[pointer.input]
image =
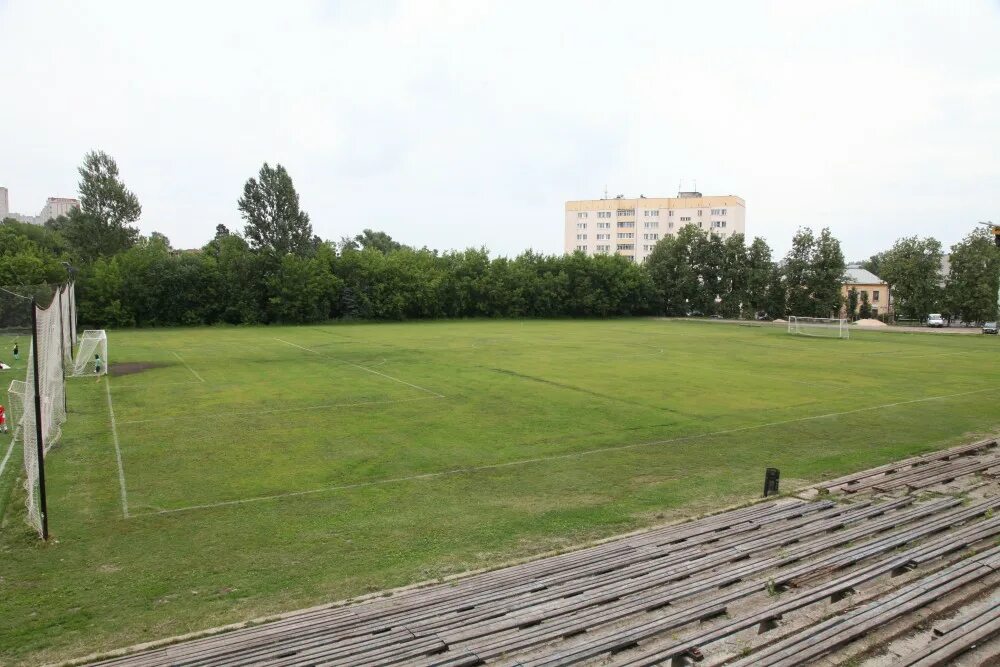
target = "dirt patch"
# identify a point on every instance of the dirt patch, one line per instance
(132, 367)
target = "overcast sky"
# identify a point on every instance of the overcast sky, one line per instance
(456, 124)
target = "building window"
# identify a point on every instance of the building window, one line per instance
(626, 225)
(604, 214)
(582, 214)
(874, 295)
(670, 226)
(718, 211)
(652, 225)
(581, 225)
(670, 214)
(604, 225)
(683, 219)
(652, 214)
(699, 211)
(603, 248)
(625, 212)
(581, 237)
(582, 247)
(604, 237)
(626, 246)
(626, 235)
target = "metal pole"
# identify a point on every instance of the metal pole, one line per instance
(62, 349)
(39, 445)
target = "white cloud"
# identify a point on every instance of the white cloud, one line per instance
(453, 124)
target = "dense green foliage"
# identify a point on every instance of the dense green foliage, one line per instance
(278, 271)
(590, 428)
(912, 268)
(974, 280)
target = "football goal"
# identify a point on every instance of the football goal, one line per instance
(93, 349)
(825, 327)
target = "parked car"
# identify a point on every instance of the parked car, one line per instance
(935, 320)
(990, 328)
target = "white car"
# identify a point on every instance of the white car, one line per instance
(935, 320)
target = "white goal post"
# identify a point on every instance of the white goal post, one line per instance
(93, 346)
(825, 327)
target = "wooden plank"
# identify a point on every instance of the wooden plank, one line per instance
(916, 460)
(976, 630)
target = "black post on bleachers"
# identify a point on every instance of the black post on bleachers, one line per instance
(771, 476)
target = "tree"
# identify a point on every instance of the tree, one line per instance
(852, 303)
(376, 241)
(759, 268)
(734, 278)
(814, 273)
(775, 305)
(826, 275)
(865, 311)
(671, 268)
(270, 206)
(912, 268)
(796, 269)
(102, 226)
(974, 279)
(102, 193)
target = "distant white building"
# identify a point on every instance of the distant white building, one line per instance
(54, 207)
(632, 227)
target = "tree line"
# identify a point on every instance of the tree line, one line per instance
(276, 270)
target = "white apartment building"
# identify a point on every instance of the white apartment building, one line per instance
(54, 207)
(631, 227)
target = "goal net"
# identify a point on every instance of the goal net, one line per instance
(93, 349)
(825, 327)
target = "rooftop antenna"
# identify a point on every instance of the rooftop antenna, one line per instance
(605, 190)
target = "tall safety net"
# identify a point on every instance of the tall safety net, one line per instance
(55, 337)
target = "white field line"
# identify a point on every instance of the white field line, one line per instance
(554, 457)
(364, 368)
(162, 384)
(193, 371)
(3, 464)
(118, 449)
(215, 415)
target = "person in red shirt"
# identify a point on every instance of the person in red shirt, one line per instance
(3, 420)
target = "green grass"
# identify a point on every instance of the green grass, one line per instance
(550, 434)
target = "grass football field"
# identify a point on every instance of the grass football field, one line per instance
(239, 472)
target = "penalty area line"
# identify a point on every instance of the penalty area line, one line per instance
(364, 368)
(280, 410)
(118, 449)
(193, 371)
(554, 457)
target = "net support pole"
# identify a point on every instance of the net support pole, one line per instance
(39, 445)
(62, 348)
